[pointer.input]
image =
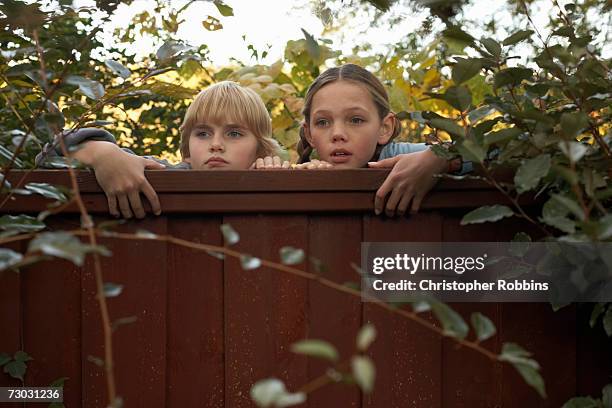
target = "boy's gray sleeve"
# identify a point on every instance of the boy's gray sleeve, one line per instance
(73, 139)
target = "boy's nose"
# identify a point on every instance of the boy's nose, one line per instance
(216, 144)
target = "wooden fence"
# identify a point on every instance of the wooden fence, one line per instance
(206, 329)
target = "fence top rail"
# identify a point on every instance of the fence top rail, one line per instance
(258, 191)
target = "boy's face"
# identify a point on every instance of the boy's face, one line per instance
(227, 146)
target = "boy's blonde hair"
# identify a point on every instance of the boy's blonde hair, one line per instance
(228, 102)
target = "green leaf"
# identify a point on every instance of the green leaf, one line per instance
(511, 76)
(4, 358)
(249, 262)
(606, 396)
(465, 69)
(564, 32)
(421, 306)
(112, 289)
(15, 369)
(224, 9)
(64, 245)
(457, 34)
(271, 392)
(520, 244)
(573, 123)
(607, 322)
(480, 113)
(492, 46)
(502, 135)
(471, 151)
(312, 46)
(569, 204)
(530, 173)
(573, 150)
(604, 227)
(20, 223)
(364, 372)
(5, 158)
(527, 367)
(517, 37)
(598, 310)
(366, 336)
(230, 235)
(90, 88)
(452, 323)
(315, 348)
(581, 402)
(169, 49)
(22, 356)
(9, 258)
(459, 97)
(483, 326)
(448, 126)
(118, 68)
(291, 256)
(47, 190)
(487, 213)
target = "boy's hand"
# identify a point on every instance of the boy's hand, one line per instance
(270, 162)
(314, 165)
(121, 176)
(409, 181)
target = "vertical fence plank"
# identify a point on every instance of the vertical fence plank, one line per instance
(593, 354)
(139, 348)
(265, 310)
(407, 356)
(10, 318)
(195, 368)
(51, 298)
(335, 317)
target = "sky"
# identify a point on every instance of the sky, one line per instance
(268, 24)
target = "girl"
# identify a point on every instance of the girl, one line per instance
(348, 121)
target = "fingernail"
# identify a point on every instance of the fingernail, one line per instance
(377, 211)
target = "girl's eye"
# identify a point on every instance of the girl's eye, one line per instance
(203, 134)
(357, 120)
(234, 134)
(321, 122)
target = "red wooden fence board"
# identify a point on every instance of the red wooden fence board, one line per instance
(265, 310)
(334, 317)
(195, 348)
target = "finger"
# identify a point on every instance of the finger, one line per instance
(394, 199)
(416, 203)
(404, 203)
(259, 163)
(124, 205)
(268, 162)
(385, 163)
(381, 195)
(112, 205)
(276, 161)
(286, 165)
(151, 195)
(136, 204)
(153, 165)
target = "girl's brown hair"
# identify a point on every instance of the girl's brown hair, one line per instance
(359, 75)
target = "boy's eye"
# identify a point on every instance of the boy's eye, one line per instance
(321, 122)
(203, 134)
(234, 133)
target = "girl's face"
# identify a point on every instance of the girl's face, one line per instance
(344, 125)
(221, 147)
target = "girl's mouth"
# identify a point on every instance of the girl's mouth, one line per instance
(340, 156)
(216, 161)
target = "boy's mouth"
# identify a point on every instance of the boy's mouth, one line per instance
(340, 156)
(216, 161)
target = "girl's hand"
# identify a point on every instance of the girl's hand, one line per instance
(410, 180)
(314, 165)
(270, 162)
(121, 176)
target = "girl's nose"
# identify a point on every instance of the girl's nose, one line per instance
(338, 135)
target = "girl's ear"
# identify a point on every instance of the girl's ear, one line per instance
(307, 134)
(387, 128)
(187, 160)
